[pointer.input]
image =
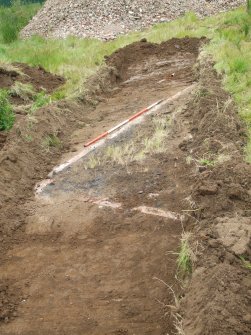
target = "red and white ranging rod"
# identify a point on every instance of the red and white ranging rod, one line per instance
(133, 117)
(90, 145)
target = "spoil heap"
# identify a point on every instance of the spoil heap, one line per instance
(105, 19)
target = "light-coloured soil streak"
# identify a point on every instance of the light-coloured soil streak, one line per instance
(108, 226)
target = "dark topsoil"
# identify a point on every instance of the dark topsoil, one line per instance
(218, 295)
(36, 76)
(41, 81)
(217, 298)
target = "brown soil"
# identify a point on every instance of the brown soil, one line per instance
(36, 76)
(41, 81)
(71, 266)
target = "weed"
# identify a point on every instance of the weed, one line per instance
(206, 162)
(178, 324)
(200, 93)
(189, 160)
(249, 6)
(140, 156)
(28, 138)
(245, 263)
(248, 151)
(58, 95)
(31, 120)
(186, 255)
(178, 320)
(93, 162)
(51, 141)
(246, 29)
(7, 116)
(193, 205)
(129, 152)
(209, 160)
(6, 67)
(121, 154)
(24, 91)
(41, 99)
(156, 143)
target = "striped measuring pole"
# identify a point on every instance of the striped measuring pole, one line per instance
(133, 117)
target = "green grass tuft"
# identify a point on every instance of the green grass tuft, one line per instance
(239, 65)
(24, 91)
(185, 255)
(206, 162)
(7, 116)
(51, 141)
(245, 263)
(41, 99)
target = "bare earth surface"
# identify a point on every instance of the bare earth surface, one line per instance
(95, 251)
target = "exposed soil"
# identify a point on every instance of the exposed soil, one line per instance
(36, 76)
(39, 79)
(95, 252)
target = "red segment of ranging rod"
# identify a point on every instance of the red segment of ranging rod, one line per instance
(133, 117)
(96, 139)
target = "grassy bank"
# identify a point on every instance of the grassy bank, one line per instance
(76, 59)
(14, 18)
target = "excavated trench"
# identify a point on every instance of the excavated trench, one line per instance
(98, 253)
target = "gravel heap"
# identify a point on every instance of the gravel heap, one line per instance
(105, 19)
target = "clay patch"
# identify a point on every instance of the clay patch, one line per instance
(235, 233)
(158, 212)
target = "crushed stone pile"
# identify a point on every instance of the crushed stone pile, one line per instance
(105, 19)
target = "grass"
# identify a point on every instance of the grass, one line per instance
(24, 91)
(206, 162)
(130, 151)
(51, 141)
(93, 162)
(28, 138)
(121, 154)
(41, 99)
(6, 67)
(7, 116)
(178, 324)
(246, 263)
(185, 255)
(209, 159)
(156, 143)
(14, 18)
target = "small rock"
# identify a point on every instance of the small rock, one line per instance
(213, 243)
(236, 192)
(208, 189)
